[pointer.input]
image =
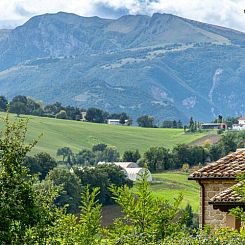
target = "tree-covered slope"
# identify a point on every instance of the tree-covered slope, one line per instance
(163, 65)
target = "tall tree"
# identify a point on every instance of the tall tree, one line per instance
(19, 210)
(131, 156)
(71, 188)
(18, 108)
(65, 152)
(146, 121)
(96, 115)
(3, 103)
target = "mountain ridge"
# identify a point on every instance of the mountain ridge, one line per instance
(180, 64)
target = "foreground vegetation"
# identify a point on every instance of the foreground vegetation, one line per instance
(77, 135)
(30, 215)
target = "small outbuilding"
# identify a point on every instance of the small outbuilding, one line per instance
(211, 126)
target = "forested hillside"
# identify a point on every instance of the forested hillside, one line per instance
(164, 65)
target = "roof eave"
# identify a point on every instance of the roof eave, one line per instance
(211, 178)
(227, 203)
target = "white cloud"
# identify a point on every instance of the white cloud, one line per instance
(220, 12)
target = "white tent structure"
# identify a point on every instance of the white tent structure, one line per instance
(126, 164)
(122, 164)
(136, 173)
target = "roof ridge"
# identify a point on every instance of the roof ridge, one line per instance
(228, 166)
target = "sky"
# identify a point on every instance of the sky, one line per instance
(228, 13)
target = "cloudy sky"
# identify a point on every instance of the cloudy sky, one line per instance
(229, 13)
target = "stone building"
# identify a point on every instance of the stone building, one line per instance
(217, 195)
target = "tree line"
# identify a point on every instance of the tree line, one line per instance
(73, 179)
(157, 158)
(28, 106)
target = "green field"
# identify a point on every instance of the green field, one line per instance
(173, 183)
(77, 135)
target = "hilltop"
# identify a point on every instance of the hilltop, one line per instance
(77, 135)
(163, 65)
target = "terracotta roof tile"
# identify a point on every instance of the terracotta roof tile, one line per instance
(227, 167)
(228, 195)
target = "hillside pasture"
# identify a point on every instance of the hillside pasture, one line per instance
(57, 133)
(170, 184)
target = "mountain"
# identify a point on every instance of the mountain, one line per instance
(164, 65)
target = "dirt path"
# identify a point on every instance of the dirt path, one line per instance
(212, 138)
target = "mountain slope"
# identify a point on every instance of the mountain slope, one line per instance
(163, 65)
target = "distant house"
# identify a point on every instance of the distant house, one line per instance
(241, 121)
(217, 181)
(210, 126)
(240, 125)
(116, 122)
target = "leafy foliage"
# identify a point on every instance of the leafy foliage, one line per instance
(69, 197)
(103, 176)
(146, 220)
(18, 205)
(131, 156)
(224, 236)
(146, 121)
(40, 163)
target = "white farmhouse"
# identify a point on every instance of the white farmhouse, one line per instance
(240, 125)
(241, 121)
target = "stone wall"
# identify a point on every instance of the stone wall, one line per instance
(213, 217)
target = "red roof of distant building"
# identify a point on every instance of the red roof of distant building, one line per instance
(241, 118)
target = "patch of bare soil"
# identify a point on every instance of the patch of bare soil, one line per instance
(212, 138)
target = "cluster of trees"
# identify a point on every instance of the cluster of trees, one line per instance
(157, 158)
(147, 121)
(28, 106)
(172, 124)
(47, 169)
(29, 216)
(96, 115)
(160, 158)
(229, 120)
(99, 153)
(193, 126)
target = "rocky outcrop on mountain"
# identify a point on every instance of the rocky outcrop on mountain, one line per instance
(164, 65)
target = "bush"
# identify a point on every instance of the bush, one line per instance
(103, 176)
(224, 236)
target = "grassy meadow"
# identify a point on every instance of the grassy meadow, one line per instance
(172, 183)
(77, 135)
